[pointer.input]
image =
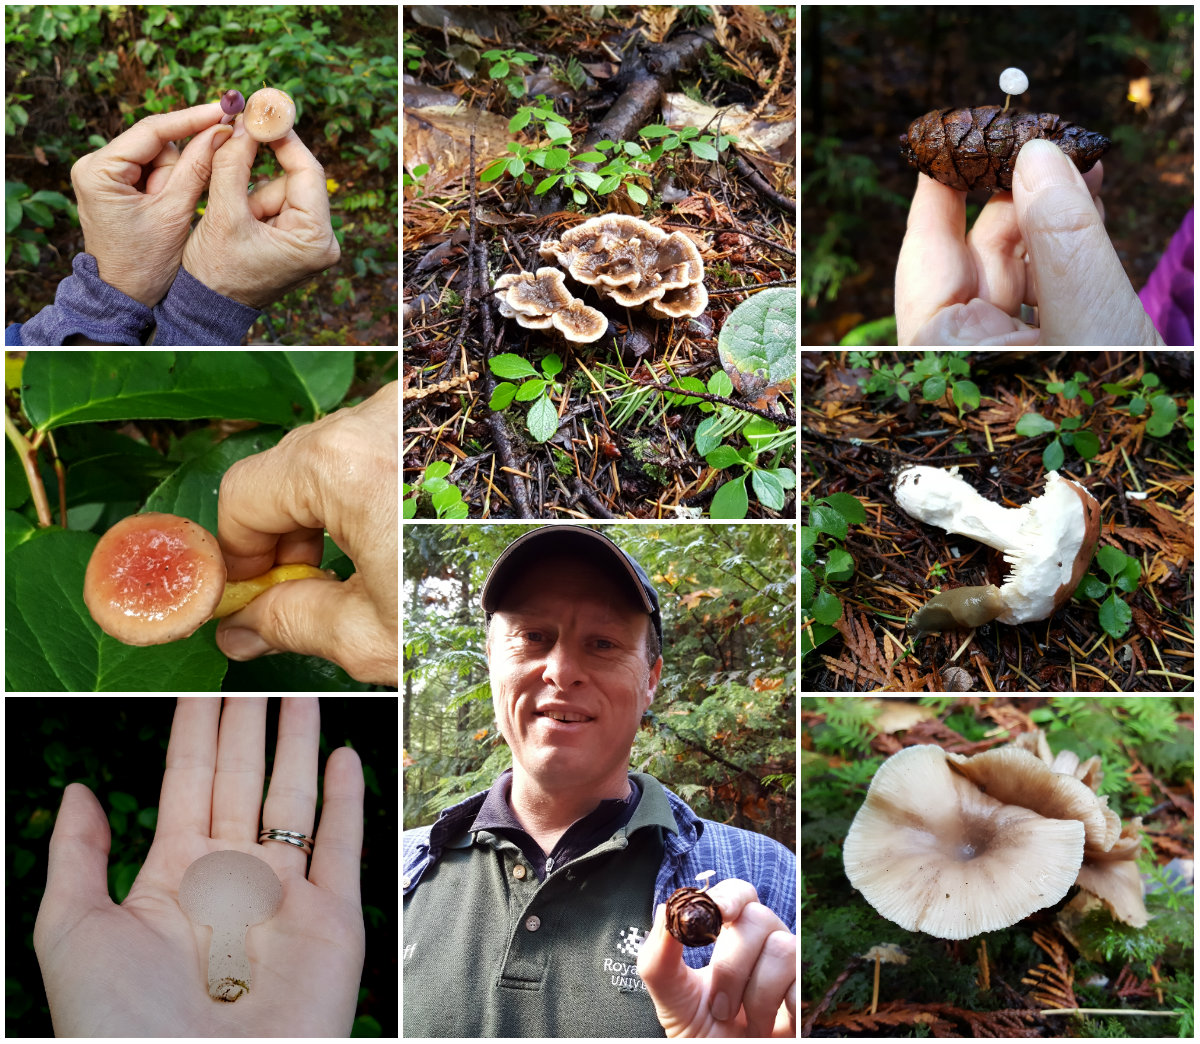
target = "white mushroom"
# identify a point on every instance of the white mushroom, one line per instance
(230, 891)
(1048, 543)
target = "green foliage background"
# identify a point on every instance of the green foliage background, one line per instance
(721, 730)
(79, 75)
(839, 925)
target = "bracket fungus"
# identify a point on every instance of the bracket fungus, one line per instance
(540, 300)
(156, 578)
(954, 846)
(232, 892)
(634, 263)
(1048, 543)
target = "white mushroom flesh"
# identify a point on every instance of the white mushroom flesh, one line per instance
(1047, 543)
(231, 891)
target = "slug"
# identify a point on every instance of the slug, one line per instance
(963, 608)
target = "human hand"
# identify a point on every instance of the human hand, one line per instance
(254, 248)
(338, 474)
(749, 986)
(137, 196)
(141, 969)
(1042, 244)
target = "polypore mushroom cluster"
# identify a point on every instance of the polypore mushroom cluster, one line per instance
(954, 846)
(231, 891)
(624, 259)
(634, 263)
(1048, 543)
(540, 300)
(156, 578)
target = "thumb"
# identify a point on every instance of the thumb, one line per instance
(77, 874)
(671, 983)
(191, 172)
(331, 619)
(231, 166)
(1083, 294)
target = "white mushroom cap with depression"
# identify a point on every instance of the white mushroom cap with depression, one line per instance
(1048, 544)
(933, 853)
(231, 891)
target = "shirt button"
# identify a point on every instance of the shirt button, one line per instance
(532, 924)
(519, 871)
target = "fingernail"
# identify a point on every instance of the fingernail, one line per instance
(241, 643)
(720, 1007)
(239, 128)
(221, 137)
(1044, 166)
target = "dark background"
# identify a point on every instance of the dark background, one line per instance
(867, 72)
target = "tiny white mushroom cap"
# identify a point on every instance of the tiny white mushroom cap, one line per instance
(1013, 81)
(932, 853)
(230, 891)
(1048, 543)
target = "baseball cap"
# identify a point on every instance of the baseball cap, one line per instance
(546, 541)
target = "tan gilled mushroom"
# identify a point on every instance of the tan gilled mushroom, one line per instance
(933, 853)
(269, 114)
(231, 891)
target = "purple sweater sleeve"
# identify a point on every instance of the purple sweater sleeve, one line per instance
(191, 313)
(85, 304)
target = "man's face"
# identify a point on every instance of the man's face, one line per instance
(570, 682)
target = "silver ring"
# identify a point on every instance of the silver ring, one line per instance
(288, 837)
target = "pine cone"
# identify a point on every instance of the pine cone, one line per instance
(977, 148)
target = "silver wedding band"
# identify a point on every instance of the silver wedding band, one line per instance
(288, 837)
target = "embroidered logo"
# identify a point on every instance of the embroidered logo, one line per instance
(623, 975)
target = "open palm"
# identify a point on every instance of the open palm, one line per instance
(140, 969)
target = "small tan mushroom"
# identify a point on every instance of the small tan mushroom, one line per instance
(535, 295)
(540, 300)
(579, 323)
(269, 115)
(231, 891)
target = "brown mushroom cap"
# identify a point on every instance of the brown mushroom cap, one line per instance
(579, 323)
(230, 891)
(932, 853)
(269, 114)
(533, 297)
(628, 259)
(154, 578)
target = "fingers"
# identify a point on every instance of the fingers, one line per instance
(934, 268)
(291, 802)
(147, 138)
(182, 178)
(1084, 296)
(77, 873)
(674, 987)
(337, 855)
(754, 960)
(241, 765)
(334, 620)
(185, 803)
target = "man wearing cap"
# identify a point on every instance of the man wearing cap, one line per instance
(534, 909)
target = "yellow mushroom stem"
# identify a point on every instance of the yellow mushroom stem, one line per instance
(240, 593)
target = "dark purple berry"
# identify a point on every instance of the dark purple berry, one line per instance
(232, 103)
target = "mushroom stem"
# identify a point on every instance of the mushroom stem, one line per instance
(985, 978)
(240, 593)
(875, 989)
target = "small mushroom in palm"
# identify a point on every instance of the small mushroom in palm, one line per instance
(232, 892)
